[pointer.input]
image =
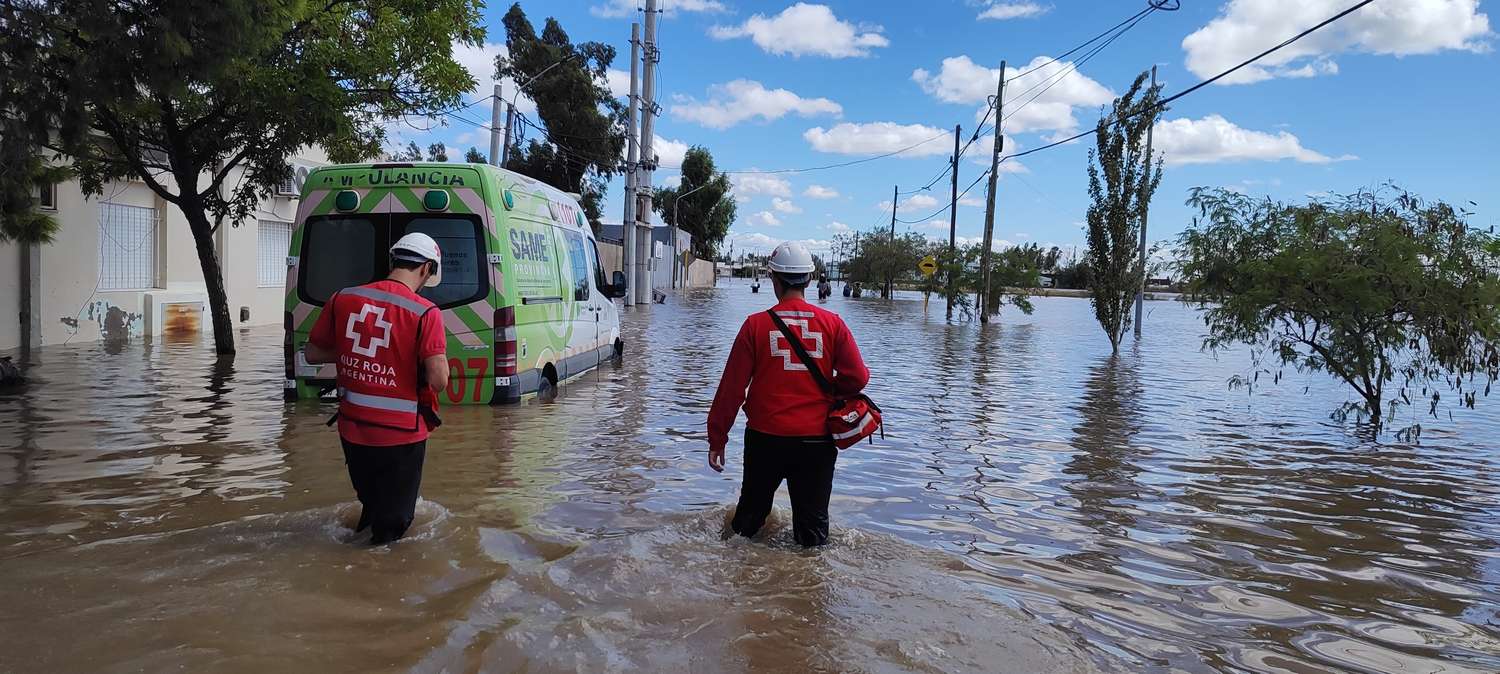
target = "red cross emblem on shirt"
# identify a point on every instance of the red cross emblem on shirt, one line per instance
(368, 325)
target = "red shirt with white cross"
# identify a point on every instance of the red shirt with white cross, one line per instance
(782, 398)
(434, 343)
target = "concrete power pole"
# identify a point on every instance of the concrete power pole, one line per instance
(989, 208)
(953, 223)
(627, 224)
(894, 189)
(1140, 291)
(650, 56)
(495, 128)
(510, 121)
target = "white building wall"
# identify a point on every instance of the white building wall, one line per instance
(73, 306)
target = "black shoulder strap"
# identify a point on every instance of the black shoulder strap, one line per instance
(801, 351)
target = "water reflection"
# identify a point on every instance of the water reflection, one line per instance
(1036, 506)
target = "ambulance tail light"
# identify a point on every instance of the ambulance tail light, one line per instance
(289, 358)
(505, 342)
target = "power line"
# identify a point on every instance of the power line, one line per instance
(951, 204)
(1162, 103)
(1152, 6)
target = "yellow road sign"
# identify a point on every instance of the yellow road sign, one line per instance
(928, 265)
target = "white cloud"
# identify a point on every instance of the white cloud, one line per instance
(747, 184)
(479, 60)
(878, 137)
(618, 81)
(820, 192)
(670, 153)
(616, 9)
(839, 227)
(739, 100)
(756, 242)
(1043, 99)
(784, 206)
(803, 30)
(996, 245)
(1214, 139)
(936, 223)
(765, 219)
(915, 202)
(1245, 28)
(1013, 10)
(971, 202)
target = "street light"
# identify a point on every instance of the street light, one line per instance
(505, 149)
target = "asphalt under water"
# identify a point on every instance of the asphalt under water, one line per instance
(1036, 506)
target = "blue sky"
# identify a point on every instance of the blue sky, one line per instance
(1403, 90)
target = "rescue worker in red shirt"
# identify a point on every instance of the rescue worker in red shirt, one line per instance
(786, 411)
(390, 348)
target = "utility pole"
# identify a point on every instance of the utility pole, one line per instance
(510, 121)
(953, 223)
(650, 56)
(894, 189)
(495, 128)
(1140, 291)
(627, 224)
(989, 208)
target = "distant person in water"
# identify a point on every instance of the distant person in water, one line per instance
(786, 411)
(391, 351)
(824, 288)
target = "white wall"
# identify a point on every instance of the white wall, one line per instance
(73, 309)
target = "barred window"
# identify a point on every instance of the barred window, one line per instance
(274, 240)
(127, 247)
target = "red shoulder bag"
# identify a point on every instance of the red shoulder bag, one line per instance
(851, 418)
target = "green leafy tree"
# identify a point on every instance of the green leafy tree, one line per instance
(1397, 297)
(584, 137)
(706, 210)
(410, 153)
(20, 217)
(1122, 179)
(183, 95)
(437, 152)
(474, 156)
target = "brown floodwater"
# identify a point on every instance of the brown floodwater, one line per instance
(1036, 506)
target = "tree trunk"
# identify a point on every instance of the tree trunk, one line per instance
(213, 276)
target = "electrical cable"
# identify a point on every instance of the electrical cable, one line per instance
(1162, 103)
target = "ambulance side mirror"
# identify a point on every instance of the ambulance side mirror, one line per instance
(618, 288)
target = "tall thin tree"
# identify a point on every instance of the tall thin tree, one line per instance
(1122, 178)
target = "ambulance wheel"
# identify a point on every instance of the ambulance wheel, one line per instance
(546, 390)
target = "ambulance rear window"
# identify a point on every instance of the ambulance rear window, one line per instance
(337, 253)
(465, 278)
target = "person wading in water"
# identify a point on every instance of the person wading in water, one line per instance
(786, 411)
(390, 348)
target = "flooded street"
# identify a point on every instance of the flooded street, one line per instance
(1036, 506)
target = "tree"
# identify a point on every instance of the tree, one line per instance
(437, 152)
(1396, 297)
(583, 124)
(1121, 182)
(474, 156)
(707, 209)
(411, 153)
(183, 95)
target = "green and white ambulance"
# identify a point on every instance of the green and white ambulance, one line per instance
(524, 298)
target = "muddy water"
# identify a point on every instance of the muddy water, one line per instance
(1036, 506)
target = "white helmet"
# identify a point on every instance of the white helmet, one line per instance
(792, 258)
(418, 247)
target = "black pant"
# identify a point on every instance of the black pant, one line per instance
(807, 466)
(386, 479)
